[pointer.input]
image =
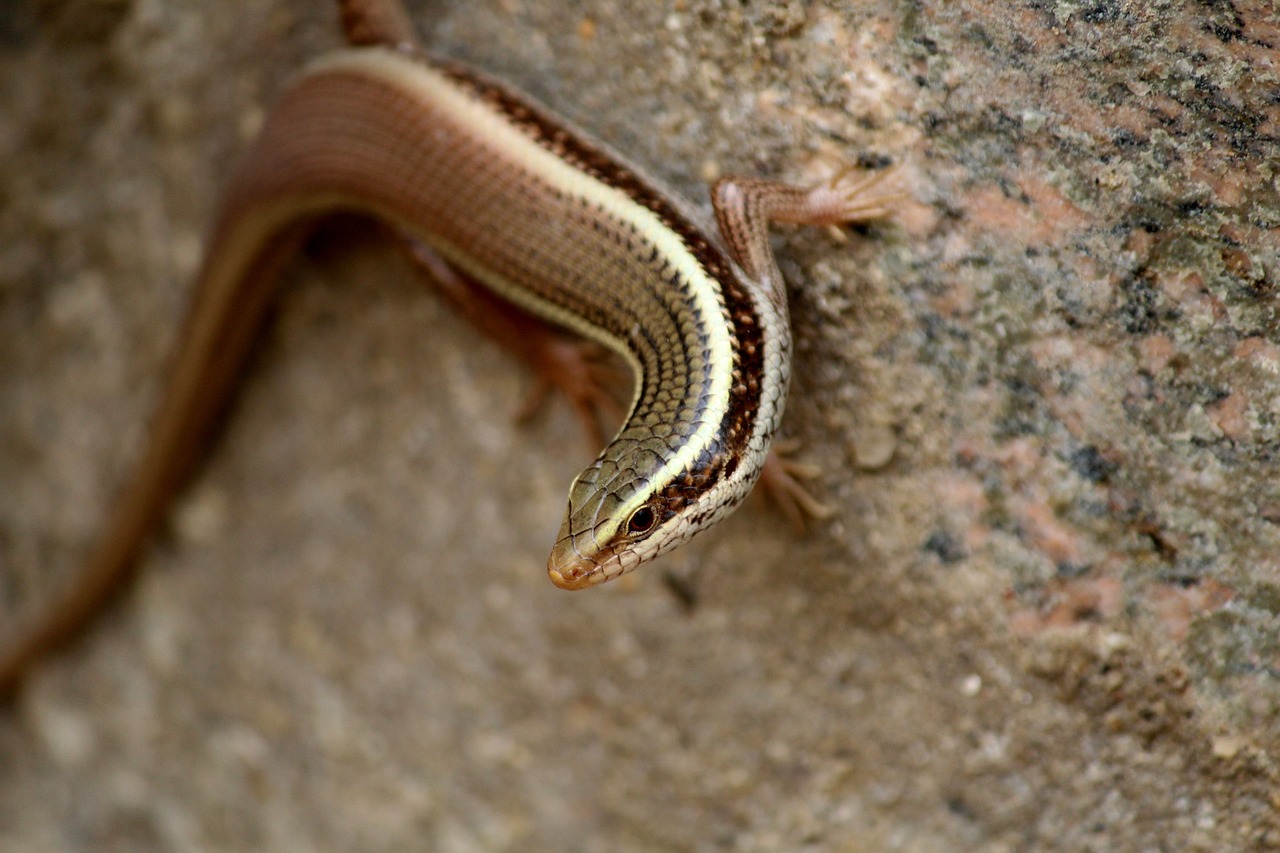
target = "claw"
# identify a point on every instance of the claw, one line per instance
(852, 195)
(579, 371)
(783, 480)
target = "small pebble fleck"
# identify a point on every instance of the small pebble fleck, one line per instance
(251, 121)
(202, 517)
(67, 734)
(873, 446)
(1227, 747)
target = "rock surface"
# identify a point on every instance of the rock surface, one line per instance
(1046, 399)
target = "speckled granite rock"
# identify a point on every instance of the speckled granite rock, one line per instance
(1047, 397)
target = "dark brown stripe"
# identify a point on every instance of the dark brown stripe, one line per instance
(571, 146)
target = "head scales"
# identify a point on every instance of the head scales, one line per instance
(628, 508)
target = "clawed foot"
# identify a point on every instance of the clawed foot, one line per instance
(853, 195)
(784, 479)
(582, 372)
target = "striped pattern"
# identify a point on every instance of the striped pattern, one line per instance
(557, 225)
(546, 219)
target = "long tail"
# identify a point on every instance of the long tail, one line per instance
(223, 324)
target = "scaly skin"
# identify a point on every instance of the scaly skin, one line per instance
(556, 224)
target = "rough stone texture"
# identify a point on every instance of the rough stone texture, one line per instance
(1046, 399)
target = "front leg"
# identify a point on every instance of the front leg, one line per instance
(744, 207)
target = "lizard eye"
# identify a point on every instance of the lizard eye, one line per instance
(641, 521)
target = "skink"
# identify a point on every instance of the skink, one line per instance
(544, 217)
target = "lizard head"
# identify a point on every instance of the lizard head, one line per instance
(619, 518)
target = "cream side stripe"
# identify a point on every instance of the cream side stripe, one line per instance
(494, 131)
(553, 222)
(523, 298)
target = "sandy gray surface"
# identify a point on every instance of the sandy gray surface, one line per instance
(1044, 618)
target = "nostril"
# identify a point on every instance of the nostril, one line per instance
(567, 568)
(570, 577)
